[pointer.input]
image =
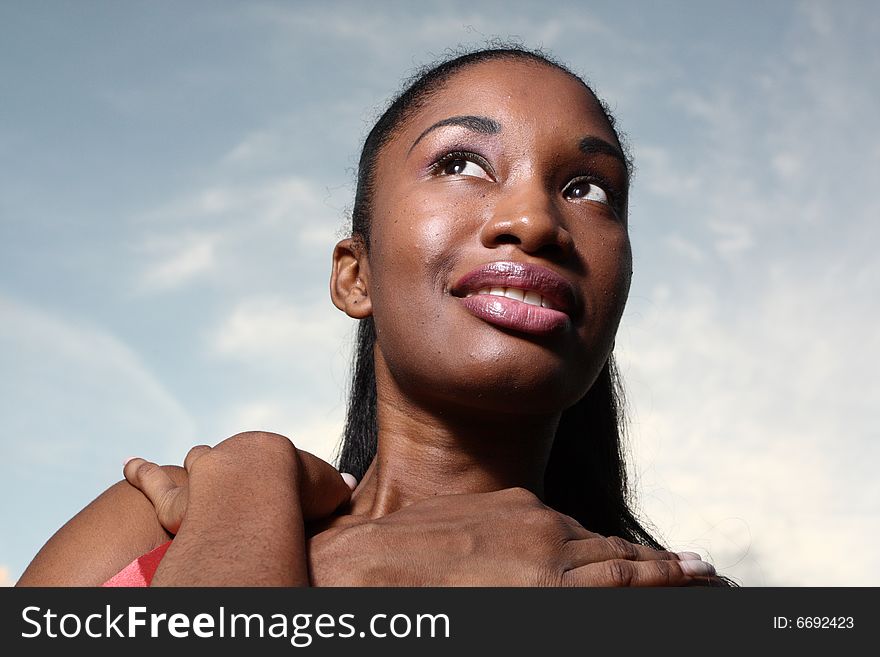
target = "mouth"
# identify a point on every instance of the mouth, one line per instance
(529, 297)
(518, 296)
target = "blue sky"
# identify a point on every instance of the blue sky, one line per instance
(175, 175)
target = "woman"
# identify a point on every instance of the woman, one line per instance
(489, 265)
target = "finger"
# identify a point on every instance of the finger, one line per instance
(596, 549)
(322, 489)
(167, 498)
(148, 478)
(193, 455)
(623, 572)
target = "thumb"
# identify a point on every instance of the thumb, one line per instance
(322, 489)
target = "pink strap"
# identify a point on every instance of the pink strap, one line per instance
(140, 571)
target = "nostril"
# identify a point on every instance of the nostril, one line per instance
(506, 238)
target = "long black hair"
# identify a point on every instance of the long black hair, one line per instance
(586, 474)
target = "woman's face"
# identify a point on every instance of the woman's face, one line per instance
(499, 259)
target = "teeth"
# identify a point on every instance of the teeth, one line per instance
(513, 293)
(533, 298)
(530, 297)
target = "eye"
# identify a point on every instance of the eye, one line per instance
(583, 188)
(462, 164)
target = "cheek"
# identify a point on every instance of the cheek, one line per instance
(406, 283)
(418, 242)
(608, 261)
(621, 252)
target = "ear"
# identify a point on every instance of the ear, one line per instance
(348, 279)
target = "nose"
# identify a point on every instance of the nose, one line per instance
(527, 217)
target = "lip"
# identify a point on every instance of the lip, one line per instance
(513, 314)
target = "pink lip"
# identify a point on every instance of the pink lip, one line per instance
(513, 314)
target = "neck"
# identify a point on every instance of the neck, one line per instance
(423, 452)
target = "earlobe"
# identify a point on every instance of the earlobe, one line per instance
(348, 280)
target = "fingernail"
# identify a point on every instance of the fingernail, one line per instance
(350, 480)
(689, 556)
(125, 462)
(696, 567)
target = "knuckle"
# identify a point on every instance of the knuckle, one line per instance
(196, 450)
(260, 436)
(537, 517)
(621, 548)
(264, 440)
(666, 572)
(620, 572)
(146, 471)
(519, 493)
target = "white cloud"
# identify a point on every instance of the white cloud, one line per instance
(684, 247)
(746, 426)
(75, 401)
(263, 234)
(255, 147)
(274, 334)
(663, 175)
(73, 395)
(431, 33)
(182, 259)
(312, 432)
(751, 374)
(297, 355)
(270, 200)
(751, 378)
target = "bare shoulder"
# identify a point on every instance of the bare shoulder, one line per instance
(114, 529)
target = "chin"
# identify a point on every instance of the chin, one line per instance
(496, 387)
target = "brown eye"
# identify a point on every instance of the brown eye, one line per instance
(461, 165)
(582, 188)
(455, 167)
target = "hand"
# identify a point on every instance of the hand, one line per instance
(319, 488)
(242, 512)
(504, 538)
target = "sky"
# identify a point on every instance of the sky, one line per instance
(174, 177)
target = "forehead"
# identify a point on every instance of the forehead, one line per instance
(519, 94)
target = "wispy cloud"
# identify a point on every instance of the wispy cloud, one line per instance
(753, 419)
(748, 342)
(315, 432)
(80, 395)
(303, 349)
(75, 401)
(267, 200)
(750, 369)
(232, 234)
(180, 260)
(277, 332)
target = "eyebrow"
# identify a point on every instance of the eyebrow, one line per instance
(597, 146)
(481, 124)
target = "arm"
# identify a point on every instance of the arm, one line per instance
(238, 519)
(114, 529)
(248, 496)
